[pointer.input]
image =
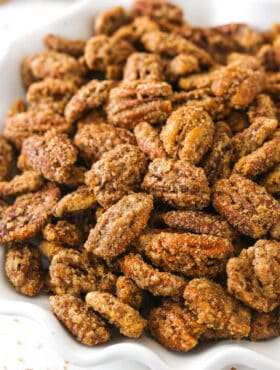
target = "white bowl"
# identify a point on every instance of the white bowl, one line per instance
(77, 22)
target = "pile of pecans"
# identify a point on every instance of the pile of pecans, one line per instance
(146, 179)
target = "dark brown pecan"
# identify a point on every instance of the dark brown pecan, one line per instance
(181, 65)
(265, 325)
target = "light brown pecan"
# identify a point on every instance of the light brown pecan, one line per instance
(217, 163)
(215, 308)
(275, 231)
(30, 212)
(6, 158)
(17, 106)
(109, 21)
(149, 278)
(174, 326)
(51, 94)
(24, 183)
(195, 81)
(188, 133)
(246, 205)
(143, 66)
(128, 292)
(64, 45)
(199, 223)
(118, 313)
(177, 183)
(3, 206)
(78, 201)
(63, 232)
(119, 226)
(52, 155)
(265, 325)
(23, 269)
(49, 249)
(185, 253)
(181, 65)
(148, 140)
(239, 82)
(253, 276)
(117, 173)
(135, 101)
(263, 106)
(79, 319)
(92, 95)
(94, 139)
(23, 125)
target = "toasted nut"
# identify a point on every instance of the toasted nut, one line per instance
(64, 45)
(136, 101)
(174, 327)
(265, 325)
(253, 277)
(263, 106)
(24, 183)
(246, 205)
(30, 212)
(3, 207)
(23, 269)
(23, 125)
(91, 95)
(271, 181)
(201, 80)
(6, 158)
(63, 232)
(181, 65)
(185, 253)
(149, 278)
(237, 121)
(188, 133)
(128, 292)
(17, 106)
(275, 231)
(52, 155)
(143, 66)
(148, 140)
(49, 249)
(215, 308)
(109, 21)
(177, 183)
(119, 225)
(85, 325)
(80, 200)
(117, 173)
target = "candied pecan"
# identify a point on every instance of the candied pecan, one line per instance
(119, 225)
(117, 173)
(265, 325)
(6, 158)
(52, 155)
(148, 140)
(71, 272)
(177, 183)
(51, 94)
(263, 106)
(49, 249)
(272, 85)
(93, 140)
(189, 254)
(271, 181)
(76, 177)
(199, 223)
(91, 95)
(170, 44)
(239, 82)
(174, 327)
(118, 313)
(30, 212)
(63, 232)
(149, 278)
(23, 269)
(167, 15)
(253, 137)
(275, 231)
(3, 206)
(27, 76)
(22, 125)
(109, 21)
(52, 64)
(246, 205)
(260, 160)
(135, 101)
(79, 319)
(81, 199)
(17, 106)
(143, 66)
(181, 65)
(64, 45)
(253, 277)
(217, 163)
(201, 80)
(24, 183)
(102, 52)
(215, 308)
(128, 292)
(237, 121)
(266, 57)
(188, 133)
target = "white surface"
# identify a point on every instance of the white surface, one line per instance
(261, 356)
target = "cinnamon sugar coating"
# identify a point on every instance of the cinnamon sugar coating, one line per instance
(63, 232)
(128, 292)
(64, 45)
(148, 140)
(20, 184)
(109, 21)
(6, 158)
(265, 325)
(143, 66)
